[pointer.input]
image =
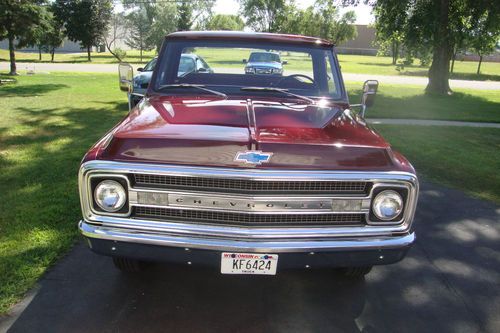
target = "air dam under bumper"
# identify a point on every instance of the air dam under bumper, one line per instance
(206, 251)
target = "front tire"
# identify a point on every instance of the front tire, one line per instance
(355, 272)
(128, 265)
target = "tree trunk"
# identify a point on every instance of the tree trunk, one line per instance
(108, 46)
(394, 53)
(479, 65)
(439, 73)
(141, 53)
(88, 53)
(52, 54)
(39, 54)
(12, 56)
(453, 60)
(396, 49)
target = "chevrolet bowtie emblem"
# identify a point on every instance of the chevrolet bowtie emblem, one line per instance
(253, 157)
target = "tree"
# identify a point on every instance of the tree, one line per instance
(438, 27)
(164, 22)
(117, 30)
(264, 15)
(47, 35)
(85, 21)
(184, 21)
(321, 20)
(483, 37)
(225, 22)
(53, 36)
(159, 18)
(139, 31)
(37, 33)
(390, 25)
(17, 21)
(194, 13)
(337, 29)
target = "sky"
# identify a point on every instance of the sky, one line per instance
(363, 12)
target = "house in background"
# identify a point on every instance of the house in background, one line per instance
(118, 36)
(67, 47)
(363, 44)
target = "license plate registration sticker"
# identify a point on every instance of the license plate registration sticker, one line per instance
(248, 263)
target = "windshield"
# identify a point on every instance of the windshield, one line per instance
(230, 66)
(264, 57)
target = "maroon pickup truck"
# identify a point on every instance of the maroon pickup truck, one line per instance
(248, 173)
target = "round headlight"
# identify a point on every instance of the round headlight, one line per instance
(387, 205)
(110, 195)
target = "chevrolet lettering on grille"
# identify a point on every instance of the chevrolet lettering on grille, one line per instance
(262, 205)
(247, 204)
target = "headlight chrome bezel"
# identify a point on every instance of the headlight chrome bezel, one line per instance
(403, 190)
(94, 180)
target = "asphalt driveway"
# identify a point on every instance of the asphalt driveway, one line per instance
(450, 282)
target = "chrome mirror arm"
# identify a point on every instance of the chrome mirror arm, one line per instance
(362, 106)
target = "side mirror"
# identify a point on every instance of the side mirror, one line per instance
(284, 62)
(126, 75)
(244, 61)
(202, 70)
(370, 88)
(140, 69)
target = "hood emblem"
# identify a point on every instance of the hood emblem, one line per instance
(253, 157)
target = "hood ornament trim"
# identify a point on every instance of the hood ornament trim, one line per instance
(255, 157)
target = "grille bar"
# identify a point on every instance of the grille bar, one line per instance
(228, 218)
(251, 186)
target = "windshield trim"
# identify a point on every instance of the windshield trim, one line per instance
(162, 60)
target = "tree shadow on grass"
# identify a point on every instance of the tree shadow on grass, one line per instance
(39, 167)
(29, 90)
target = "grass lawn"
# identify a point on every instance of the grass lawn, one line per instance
(233, 58)
(47, 124)
(49, 121)
(410, 102)
(460, 157)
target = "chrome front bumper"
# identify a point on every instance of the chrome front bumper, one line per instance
(247, 245)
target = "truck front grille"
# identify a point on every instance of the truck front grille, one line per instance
(251, 186)
(232, 218)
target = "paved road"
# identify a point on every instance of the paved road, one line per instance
(450, 282)
(425, 122)
(383, 79)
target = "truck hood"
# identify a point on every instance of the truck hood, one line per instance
(209, 131)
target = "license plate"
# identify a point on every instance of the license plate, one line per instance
(248, 263)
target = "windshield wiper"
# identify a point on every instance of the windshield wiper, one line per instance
(194, 86)
(280, 90)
